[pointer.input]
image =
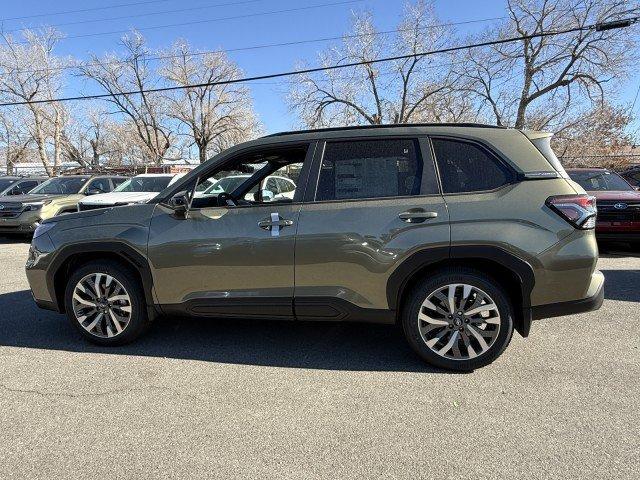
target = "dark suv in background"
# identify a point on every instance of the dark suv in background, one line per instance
(618, 203)
(459, 233)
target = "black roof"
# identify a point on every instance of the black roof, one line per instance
(392, 125)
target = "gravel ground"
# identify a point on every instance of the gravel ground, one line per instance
(231, 399)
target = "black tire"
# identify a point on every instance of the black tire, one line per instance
(138, 322)
(412, 307)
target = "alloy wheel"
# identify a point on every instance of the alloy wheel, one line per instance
(101, 304)
(459, 321)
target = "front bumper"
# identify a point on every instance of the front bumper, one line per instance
(593, 301)
(26, 222)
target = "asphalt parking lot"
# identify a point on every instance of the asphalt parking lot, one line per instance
(230, 399)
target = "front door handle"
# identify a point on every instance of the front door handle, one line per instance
(417, 215)
(274, 223)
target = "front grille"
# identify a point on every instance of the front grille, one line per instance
(607, 211)
(10, 210)
(84, 206)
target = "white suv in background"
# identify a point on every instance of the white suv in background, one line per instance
(138, 189)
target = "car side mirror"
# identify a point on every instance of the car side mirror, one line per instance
(637, 188)
(94, 191)
(179, 203)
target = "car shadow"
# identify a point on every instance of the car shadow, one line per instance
(5, 239)
(622, 285)
(314, 345)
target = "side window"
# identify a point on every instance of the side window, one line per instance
(252, 179)
(372, 169)
(467, 167)
(118, 180)
(100, 184)
(27, 186)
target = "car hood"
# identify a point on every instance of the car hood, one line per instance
(27, 198)
(623, 196)
(118, 197)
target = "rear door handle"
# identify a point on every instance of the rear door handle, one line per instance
(416, 216)
(275, 223)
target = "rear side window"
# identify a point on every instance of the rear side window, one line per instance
(371, 169)
(468, 167)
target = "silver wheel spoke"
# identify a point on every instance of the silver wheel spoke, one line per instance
(452, 298)
(482, 308)
(447, 347)
(82, 301)
(434, 321)
(480, 338)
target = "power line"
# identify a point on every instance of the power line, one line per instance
(258, 47)
(83, 10)
(138, 15)
(219, 19)
(596, 27)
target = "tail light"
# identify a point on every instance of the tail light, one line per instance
(579, 210)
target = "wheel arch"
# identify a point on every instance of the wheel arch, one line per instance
(511, 272)
(73, 256)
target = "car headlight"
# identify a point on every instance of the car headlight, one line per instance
(33, 206)
(43, 228)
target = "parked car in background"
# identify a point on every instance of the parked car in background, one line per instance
(617, 201)
(58, 195)
(138, 189)
(15, 185)
(459, 233)
(632, 175)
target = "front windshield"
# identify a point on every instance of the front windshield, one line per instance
(594, 181)
(144, 184)
(227, 184)
(60, 186)
(5, 183)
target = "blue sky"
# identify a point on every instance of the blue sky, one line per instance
(328, 21)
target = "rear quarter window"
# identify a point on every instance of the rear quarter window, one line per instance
(468, 167)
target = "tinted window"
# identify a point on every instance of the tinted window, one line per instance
(371, 169)
(600, 181)
(144, 184)
(118, 180)
(5, 184)
(467, 167)
(60, 186)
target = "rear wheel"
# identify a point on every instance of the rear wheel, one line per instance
(459, 319)
(106, 304)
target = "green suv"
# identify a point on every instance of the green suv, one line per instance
(458, 233)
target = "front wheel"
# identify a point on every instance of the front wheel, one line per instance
(105, 303)
(459, 319)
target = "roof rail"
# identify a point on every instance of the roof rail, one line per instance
(390, 125)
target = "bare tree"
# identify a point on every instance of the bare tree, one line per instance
(597, 137)
(213, 114)
(396, 92)
(545, 78)
(146, 111)
(28, 72)
(15, 137)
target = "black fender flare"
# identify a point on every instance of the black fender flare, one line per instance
(127, 253)
(432, 257)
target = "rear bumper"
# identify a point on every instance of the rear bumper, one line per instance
(621, 236)
(590, 303)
